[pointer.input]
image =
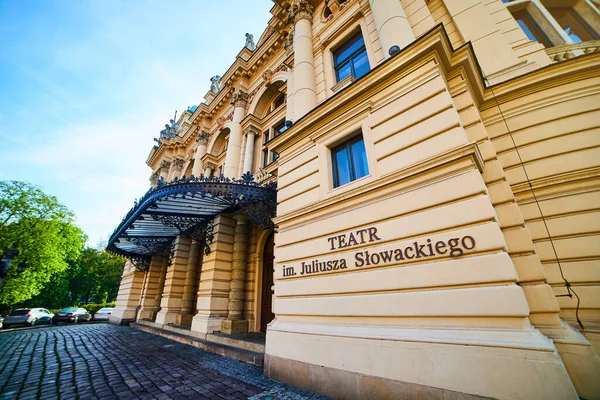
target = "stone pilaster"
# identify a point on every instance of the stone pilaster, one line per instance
(305, 94)
(213, 289)
(171, 301)
(188, 298)
(129, 295)
(234, 146)
(202, 140)
(392, 25)
(153, 288)
(235, 322)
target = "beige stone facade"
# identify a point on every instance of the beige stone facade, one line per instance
(437, 226)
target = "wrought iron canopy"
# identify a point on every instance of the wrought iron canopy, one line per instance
(187, 206)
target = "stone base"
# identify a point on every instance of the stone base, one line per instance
(234, 327)
(119, 321)
(336, 361)
(340, 384)
(184, 320)
(203, 323)
(122, 316)
(166, 317)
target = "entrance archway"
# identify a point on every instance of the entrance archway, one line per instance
(266, 312)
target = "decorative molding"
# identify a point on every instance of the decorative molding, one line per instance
(164, 164)
(178, 164)
(266, 77)
(347, 81)
(240, 99)
(300, 10)
(288, 42)
(203, 138)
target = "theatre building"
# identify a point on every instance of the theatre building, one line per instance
(385, 199)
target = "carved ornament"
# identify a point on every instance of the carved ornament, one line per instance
(300, 10)
(203, 138)
(178, 164)
(164, 164)
(240, 99)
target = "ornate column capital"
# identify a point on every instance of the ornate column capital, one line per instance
(164, 164)
(252, 130)
(178, 164)
(240, 99)
(203, 138)
(300, 10)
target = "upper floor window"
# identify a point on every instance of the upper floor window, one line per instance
(551, 25)
(351, 58)
(269, 156)
(349, 161)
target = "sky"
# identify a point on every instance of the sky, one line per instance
(85, 86)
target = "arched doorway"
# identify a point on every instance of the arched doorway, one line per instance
(266, 312)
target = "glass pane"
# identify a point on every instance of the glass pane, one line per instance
(353, 44)
(361, 64)
(359, 159)
(340, 158)
(343, 72)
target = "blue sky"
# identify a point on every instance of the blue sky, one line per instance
(85, 86)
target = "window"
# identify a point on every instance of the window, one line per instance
(572, 23)
(531, 28)
(549, 24)
(269, 156)
(349, 161)
(351, 58)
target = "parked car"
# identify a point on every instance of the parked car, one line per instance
(28, 316)
(71, 314)
(103, 314)
(1, 321)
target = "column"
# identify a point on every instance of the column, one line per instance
(392, 25)
(129, 294)
(190, 287)
(248, 157)
(177, 168)
(305, 95)
(209, 170)
(170, 303)
(215, 274)
(153, 288)
(234, 147)
(164, 169)
(235, 322)
(202, 140)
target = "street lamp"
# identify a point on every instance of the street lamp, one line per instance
(7, 257)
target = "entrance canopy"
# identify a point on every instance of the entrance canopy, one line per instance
(187, 206)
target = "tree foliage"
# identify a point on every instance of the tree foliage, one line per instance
(94, 276)
(43, 231)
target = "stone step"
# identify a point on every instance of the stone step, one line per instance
(242, 354)
(250, 341)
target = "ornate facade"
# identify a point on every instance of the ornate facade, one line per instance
(435, 225)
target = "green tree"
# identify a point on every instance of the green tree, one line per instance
(43, 231)
(93, 277)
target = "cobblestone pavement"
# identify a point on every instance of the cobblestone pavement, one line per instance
(104, 361)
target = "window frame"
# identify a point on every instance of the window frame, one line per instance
(347, 144)
(350, 58)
